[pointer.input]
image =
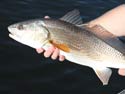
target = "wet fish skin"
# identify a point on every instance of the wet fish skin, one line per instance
(82, 42)
(76, 43)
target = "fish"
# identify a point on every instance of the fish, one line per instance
(100, 51)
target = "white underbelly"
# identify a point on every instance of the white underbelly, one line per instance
(85, 61)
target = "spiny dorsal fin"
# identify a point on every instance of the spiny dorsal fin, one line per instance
(107, 37)
(73, 17)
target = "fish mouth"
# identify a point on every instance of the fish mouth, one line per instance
(14, 34)
(14, 37)
(20, 40)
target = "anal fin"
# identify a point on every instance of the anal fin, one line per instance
(103, 74)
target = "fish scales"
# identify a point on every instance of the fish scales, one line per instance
(76, 42)
(81, 40)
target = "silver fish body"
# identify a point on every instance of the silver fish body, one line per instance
(83, 43)
(76, 43)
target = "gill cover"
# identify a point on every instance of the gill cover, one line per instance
(31, 33)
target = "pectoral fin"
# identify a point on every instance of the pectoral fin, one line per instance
(103, 73)
(61, 46)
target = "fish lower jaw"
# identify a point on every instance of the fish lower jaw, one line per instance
(27, 42)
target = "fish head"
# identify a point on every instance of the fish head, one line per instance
(32, 33)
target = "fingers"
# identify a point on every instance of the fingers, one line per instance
(55, 54)
(49, 52)
(39, 50)
(61, 58)
(121, 72)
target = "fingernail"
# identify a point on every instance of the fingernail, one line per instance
(39, 50)
(61, 58)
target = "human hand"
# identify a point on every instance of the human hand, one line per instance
(53, 52)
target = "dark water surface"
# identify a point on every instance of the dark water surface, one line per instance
(23, 71)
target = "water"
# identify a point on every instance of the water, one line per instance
(23, 71)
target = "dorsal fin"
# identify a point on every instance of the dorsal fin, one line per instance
(73, 17)
(107, 37)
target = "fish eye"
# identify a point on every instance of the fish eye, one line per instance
(20, 27)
